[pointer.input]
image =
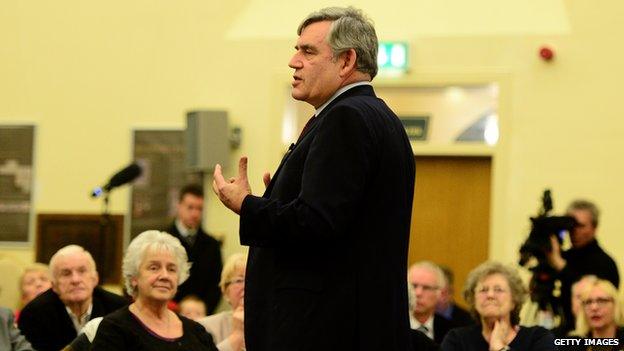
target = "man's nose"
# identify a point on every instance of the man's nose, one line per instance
(75, 277)
(295, 61)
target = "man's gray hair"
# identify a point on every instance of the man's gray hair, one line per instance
(69, 250)
(350, 29)
(585, 205)
(433, 268)
(152, 240)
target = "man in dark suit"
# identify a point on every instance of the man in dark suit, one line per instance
(329, 237)
(54, 318)
(426, 281)
(446, 305)
(204, 251)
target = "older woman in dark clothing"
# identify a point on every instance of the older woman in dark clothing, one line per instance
(495, 294)
(153, 267)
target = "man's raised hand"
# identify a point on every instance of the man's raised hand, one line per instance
(232, 192)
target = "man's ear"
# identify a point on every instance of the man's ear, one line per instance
(96, 276)
(55, 286)
(349, 59)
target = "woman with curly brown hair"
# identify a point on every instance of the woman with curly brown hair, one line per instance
(495, 294)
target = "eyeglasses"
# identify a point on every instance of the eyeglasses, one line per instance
(427, 288)
(601, 301)
(497, 290)
(239, 280)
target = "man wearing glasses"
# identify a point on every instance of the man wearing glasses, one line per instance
(426, 280)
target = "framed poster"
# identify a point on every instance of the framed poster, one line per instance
(16, 163)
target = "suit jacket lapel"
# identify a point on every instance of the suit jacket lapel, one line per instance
(358, 90)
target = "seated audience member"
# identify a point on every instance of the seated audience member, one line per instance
(601, 315)
(227, 327)
(192, 307)
(576, 304)
(153, 267)
(495, 293)
(10, 337)
(447, 307)
(54, 318)
(34, 281)
(426, 280)
(420, 341)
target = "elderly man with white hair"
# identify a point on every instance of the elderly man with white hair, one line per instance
(54, 318)
(426, 280)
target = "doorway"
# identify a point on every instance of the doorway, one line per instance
(451, 214)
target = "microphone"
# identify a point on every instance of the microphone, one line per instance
(122, 177)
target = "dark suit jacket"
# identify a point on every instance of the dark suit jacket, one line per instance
(46, 324)
(205, 256)
(329, 238)
(441, 327)
(460, 317)
(421, 342)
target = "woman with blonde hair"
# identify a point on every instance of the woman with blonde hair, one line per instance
(35, 280)
(602, 314)
(226, 327)
(495, 294)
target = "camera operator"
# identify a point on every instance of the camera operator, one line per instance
(584, 258)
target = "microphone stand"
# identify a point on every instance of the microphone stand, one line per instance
(105, 229)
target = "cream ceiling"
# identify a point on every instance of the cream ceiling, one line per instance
(404, 20)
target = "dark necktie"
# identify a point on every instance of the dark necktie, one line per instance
(423, 329)
(190, 239)
(306, 128)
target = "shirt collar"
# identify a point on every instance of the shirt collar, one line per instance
(80, 321)
(184, 231)
(337, 93)
(414, 324)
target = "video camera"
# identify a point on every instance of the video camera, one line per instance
(537, 245)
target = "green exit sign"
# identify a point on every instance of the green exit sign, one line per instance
(392, 56)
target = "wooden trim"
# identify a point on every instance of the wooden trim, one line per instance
(55, 231)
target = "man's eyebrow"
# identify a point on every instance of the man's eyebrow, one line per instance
(305, 47)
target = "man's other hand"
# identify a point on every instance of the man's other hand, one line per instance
(266, 178)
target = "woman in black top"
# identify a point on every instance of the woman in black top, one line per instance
(496, 293)
(153, 267)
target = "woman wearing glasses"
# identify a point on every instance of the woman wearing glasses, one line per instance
(227, 327)
(495, 294)
(601, 315)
